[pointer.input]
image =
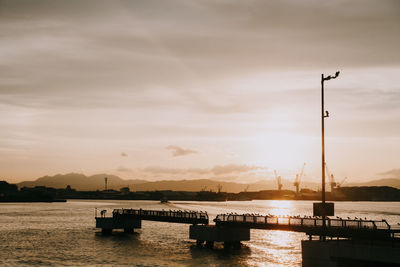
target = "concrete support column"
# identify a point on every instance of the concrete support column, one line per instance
(338, 253)
(231, 236)
(106, 231)
(209, 244)
(199, 243)
(129, 230)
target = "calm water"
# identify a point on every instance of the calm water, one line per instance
(64, 234)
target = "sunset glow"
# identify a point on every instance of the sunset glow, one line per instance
(79, 89)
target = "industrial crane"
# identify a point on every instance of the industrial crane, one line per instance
(278, 180)
(298, 179)
(332, 182)
(341, 182)
(219, 188)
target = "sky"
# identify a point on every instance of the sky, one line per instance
(176, 89)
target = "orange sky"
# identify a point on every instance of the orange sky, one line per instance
(228, 90)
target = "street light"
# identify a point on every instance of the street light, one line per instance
(324, 114)
(324, 209)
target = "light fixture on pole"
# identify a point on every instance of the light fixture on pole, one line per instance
(324, 114)
(324, 209)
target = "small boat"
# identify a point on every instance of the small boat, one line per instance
(164, 200)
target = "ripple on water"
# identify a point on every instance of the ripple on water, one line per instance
(37, 234)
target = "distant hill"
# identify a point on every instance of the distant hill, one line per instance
(96, 182)
(80, 181)
(392, 182)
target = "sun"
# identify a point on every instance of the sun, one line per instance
(285, 152)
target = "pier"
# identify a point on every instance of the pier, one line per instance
(352, 242)
(130, 219)
(228, 225)
(176, 216)
(312, 226)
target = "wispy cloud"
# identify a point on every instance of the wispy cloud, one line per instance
(178, 151)
(233, 168)
(124, 169)
(76, 75)
(393, 173)
(168, 171)
(216, 170)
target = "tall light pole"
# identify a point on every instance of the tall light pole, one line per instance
(324, 114)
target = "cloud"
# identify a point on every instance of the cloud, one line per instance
(395, 173)
(178, 151)
(124, 169)
(233, 168)
(123, 154)
(76, 74)
(216, 170)
(172, 171)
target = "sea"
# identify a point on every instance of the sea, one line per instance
(64, 234)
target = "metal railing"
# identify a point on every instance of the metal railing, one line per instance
(303, 221)
(161, 213)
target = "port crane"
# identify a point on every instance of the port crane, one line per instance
(219, 188)
(332, 181)
(278, 180)
(298, 179)
(338, 185)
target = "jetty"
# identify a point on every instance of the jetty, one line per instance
(130, 219)
(364, 240)
(312, 226)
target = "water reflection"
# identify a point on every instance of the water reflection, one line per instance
(229, 257)
(64, 234)
(277, 248)
(280, 207)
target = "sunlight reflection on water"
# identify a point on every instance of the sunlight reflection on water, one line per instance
(281, 207)
(64, 234)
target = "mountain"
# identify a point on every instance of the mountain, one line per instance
(80, 181)
(96, 182)
(392, 182)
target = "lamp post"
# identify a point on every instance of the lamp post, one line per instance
(324, 114)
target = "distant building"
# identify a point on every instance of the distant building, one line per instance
(125, 190)
(6, 187)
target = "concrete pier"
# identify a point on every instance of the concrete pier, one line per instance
(107, 224)
(231, 236)
(362, 243)
(343, 253)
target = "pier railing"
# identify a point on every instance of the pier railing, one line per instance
(303, 221)
(179, 216)
(335, 227)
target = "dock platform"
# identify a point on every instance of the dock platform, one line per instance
(130, 219)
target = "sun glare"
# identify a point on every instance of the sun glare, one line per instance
(280, 207)
(284, 152)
